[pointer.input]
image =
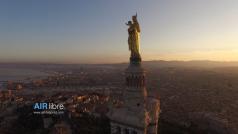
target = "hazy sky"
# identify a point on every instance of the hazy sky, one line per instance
(94, 31)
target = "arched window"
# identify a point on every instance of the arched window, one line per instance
(118, 130)
(133, 132)
(127, 81)
(126, 131)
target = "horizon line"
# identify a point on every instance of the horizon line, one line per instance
(123, 62)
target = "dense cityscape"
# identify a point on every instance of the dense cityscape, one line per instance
(209, 102)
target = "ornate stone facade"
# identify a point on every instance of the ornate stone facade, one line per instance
(139, 113)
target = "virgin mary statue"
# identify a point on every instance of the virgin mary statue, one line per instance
(134, 39)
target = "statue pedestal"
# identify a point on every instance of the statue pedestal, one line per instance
(135, 60)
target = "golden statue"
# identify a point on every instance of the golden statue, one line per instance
(134, 39)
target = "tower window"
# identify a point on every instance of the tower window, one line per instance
(118, 130)
(138, 104)
(134, 132)
(126, 131)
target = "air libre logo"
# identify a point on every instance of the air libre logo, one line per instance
(48, 106)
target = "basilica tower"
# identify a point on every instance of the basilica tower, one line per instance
(139, 113)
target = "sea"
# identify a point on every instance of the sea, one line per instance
(20, 74)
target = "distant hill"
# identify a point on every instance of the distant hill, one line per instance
(158, 63)
(195, 63)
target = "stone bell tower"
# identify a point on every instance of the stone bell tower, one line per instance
(139, 113)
